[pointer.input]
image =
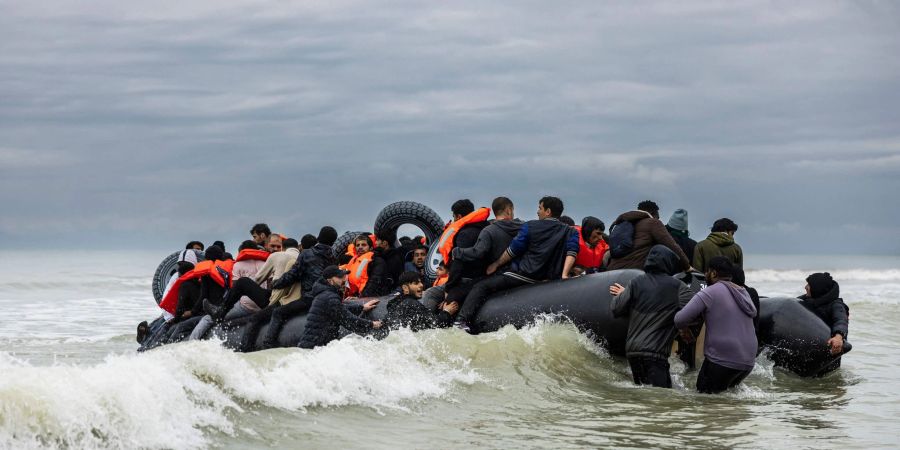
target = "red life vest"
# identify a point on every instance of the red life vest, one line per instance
(212, 269)
(445, 243)
(590, 258)
(359, 272)
(252, 254)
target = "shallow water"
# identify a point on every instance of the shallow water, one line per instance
(69, 377)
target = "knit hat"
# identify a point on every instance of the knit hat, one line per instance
(819, 284)
(679, 220)
(327, 235)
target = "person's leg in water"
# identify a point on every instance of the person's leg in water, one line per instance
(479, 294)
(714, 378)
(655, 372)
(280, 317)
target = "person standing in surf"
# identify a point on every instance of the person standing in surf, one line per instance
(730, 346)
(823, 299)
(720, 242)
(650, 302)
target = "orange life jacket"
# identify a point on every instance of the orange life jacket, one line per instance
(351, 247)
(359, 272)
(252, 253)
(441, 280)
(590, 258)
(445, 244)
(212, 269)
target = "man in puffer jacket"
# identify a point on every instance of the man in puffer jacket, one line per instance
(328, 313)
(651, 301)
(823, 299)
(720, 242)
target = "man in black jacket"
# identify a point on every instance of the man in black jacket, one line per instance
(650, 301)
(408, 311)
(823, 298)
(386, 266)
(544, 249)
(328, 313)
(306, 271)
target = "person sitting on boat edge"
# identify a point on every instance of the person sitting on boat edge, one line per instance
(650, 302)
(417, 263)
(634, 233)
(494, 239)
(463, 233)
(544, 249)
(407, 310)
(592, 247)
(260, 234)
(730, 347)
(386, 266)
(328, 313)
(823, 299)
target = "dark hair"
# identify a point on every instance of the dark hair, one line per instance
(589, 224)
(327, 235)
(723, 267)
(290, 243)
(247, 244)
(363, 237)
(190, 245)
(390, 236)
(421, 247)
(567, 220)
(261, 228)
(554, 204)
(308, 241)
(213, 253)
(650, 207)
(738, 277)
(501, 203)
(724, 224)
(462, 207)
(409, 277)
(220, 244)
(185, 267)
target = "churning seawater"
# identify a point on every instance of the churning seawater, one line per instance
(70, 378)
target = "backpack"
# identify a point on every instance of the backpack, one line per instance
(621, 239)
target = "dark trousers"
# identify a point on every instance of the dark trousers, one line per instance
(276, 315)
(652, 371)
(714, 378)
(460, 291)
(482, 290)
(245, 286)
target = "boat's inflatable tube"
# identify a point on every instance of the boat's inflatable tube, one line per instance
(796, 338)
(166, 269)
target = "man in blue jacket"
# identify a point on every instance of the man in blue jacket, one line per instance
(544, 249)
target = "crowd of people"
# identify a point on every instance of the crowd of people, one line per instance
(275, 278)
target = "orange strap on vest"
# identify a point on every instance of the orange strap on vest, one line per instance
(212, 269)
(445, 244)
(252, 254)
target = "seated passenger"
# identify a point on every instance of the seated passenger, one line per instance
(462, 234)
(194, 245)
(408, 311)
(730, 346)
(359, 265)
(640, 231)
(420, 252)
(328, 313)
(823, 298)
(308, 241)
(591, 246)
(494, 239)
(678, 229)
(650, 302)
(567, 220)
(275, 243)
(260, 234)
(544, 249)
(386, 266)
(720, 242)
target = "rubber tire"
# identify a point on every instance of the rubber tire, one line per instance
(410, 213)
(165, 270)
(341, 243)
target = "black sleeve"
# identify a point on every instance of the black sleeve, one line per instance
(754, 296)
(375, 285)
(291, 276)
(351, 321)
(839, 318)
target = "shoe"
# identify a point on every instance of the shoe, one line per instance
(142, 329)
(463, 325)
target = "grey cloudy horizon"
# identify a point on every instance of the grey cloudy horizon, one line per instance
(149, 124)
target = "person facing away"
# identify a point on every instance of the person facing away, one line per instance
(730, 347)
(739, 278)
(386, 266)
(650, 302)
(408, 311)
(678, 229)
(544, 249)
(328, 313)
(823, 299)
(592, 246)
(417, 264)
(720, 242)
(648, 231)
(308, 241)
(260, 234)
(464, 274)
(494, 239)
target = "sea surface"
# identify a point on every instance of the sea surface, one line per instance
(70, 377)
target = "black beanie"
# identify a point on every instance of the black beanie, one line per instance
(819, 284)
(214, 252)
(327, 236)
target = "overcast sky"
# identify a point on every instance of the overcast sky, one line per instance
(148, 124)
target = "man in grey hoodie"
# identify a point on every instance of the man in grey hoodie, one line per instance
(730, 348)
(494, 239)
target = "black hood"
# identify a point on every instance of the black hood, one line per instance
(829, 297)
(323, 250)
(661, 260)
(510, 227)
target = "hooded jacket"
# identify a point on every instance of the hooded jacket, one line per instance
(327, 315)
(540, 248)
(307, 270)
(648, 232)
(650, 301)
(717, 244)
(275, 267)
(729, 312)
(384, 271)
(831, 309)
(683, 239)
(408, 311)
(492, 241)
